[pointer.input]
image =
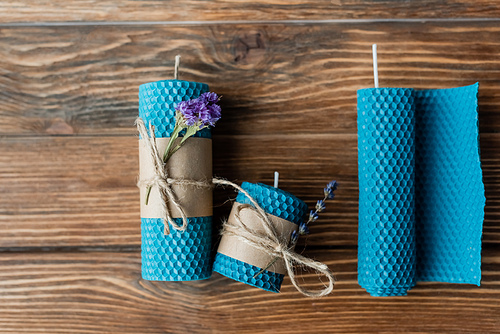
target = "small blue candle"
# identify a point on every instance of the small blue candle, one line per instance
(240, 261)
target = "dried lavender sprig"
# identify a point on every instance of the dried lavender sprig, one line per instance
(320, 207)
(303, 227)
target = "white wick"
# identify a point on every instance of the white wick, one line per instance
(276, 178)
(375, 65)
(176, 68)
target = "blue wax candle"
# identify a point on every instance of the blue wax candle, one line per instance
(290, 212)
(386, 151)
(181, 255)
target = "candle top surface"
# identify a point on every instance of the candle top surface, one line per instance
(274, 201)
(172, 83)
(381, 89)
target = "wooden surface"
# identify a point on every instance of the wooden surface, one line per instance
(289, 71)
(221, 10)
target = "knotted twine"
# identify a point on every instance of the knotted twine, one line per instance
(268, 241)
(162, 181)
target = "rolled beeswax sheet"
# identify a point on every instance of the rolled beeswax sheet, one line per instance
(441, 238)
(180, 256)
(288, 212)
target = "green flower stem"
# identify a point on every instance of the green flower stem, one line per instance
(273, 261)
(173, 137)
(148, 192)
(169, 151)
(190, 131)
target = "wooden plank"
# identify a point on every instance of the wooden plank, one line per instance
(220, 10)
(291, 79)
(80, 191)
(101, 292)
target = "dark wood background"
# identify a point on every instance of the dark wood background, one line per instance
(289, 71)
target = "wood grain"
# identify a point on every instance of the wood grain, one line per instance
(302, 78)
(81, 191)
(96, 292)
(69, 214)
(222, 10)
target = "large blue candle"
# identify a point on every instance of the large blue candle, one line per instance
(180, 255)
(386, 163)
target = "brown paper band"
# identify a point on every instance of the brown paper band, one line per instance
(233, 247)
(192, 162)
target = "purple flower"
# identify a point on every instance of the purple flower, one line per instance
(194, 112)
(201, 111)
(209, 97)
(329, 194)
(184, 106)
(303, 229)
(215, 113)
(320, 206)
(313, 216)
(294, 237)
(332, 186)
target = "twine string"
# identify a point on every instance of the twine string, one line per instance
(162, 181)
(268, 241)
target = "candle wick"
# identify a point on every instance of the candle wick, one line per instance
(276, 179)
(375, 65)
(176, 68)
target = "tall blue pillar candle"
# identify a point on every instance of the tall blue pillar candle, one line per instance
(386, 162)
(245, 263)
(180, 255)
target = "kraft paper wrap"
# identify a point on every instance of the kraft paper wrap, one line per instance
(193, 161)
(233, 247)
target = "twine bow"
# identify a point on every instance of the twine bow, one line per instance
(271, 243)
(162, 181)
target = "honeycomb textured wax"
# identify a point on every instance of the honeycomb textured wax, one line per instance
(421, 202)
(180, 256)
(244, 272)
(157, 102)
(450, 193)
(278, 203)
(386, 256)
(274, 201)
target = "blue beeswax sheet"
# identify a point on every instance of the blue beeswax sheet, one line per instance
(276, 202)
(449, 203)
(180, 256)
(421, 203)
